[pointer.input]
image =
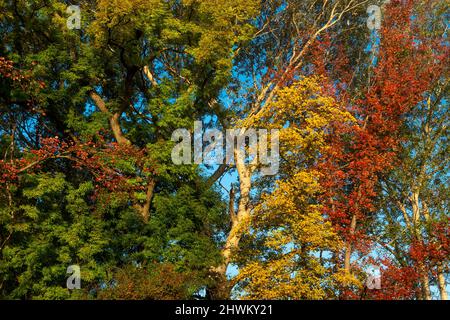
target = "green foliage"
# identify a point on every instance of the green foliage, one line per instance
(75, 201)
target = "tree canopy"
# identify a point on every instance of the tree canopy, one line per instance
(356, 110)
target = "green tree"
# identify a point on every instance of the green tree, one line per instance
(86, 139)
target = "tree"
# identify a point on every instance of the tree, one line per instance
(87, 150)
(407, 66)
(278, 54)
(288, 244)
(414, 215)
(86, 123)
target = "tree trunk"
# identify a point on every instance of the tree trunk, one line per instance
(144, 209)
(424, 279)
(114, 122)
(348, 247)
(426, 293)
(238, 222)
(441, 282)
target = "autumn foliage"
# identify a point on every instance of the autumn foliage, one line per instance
(87, 178)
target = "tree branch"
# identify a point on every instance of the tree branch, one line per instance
(114, 119)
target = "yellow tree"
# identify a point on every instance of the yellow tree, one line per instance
(282, 50)
(286, 251)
